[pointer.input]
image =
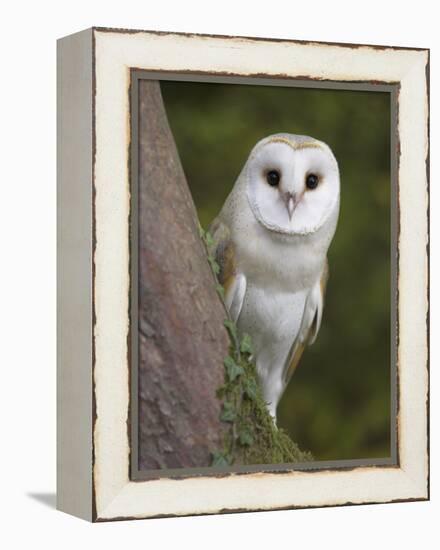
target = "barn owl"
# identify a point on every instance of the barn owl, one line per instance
(270, 240)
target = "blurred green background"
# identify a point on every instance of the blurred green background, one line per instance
(338, 402)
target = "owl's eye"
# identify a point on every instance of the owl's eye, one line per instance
(312, 181)
(273, 178)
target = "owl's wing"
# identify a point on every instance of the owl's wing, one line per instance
(232, 280)
(310, 324)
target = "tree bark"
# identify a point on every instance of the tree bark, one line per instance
(182, 340)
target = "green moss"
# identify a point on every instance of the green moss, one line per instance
(251, 436)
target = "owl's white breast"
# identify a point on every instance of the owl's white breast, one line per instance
(278, 262)
(273, 319)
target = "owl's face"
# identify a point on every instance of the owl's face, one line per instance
(292, 183)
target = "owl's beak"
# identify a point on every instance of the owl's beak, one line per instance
(290, 204)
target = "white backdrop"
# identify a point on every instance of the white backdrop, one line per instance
(27, 299)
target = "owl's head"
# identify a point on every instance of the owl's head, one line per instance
(292, 183)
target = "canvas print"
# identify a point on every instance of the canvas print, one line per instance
(262, 281)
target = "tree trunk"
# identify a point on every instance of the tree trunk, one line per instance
(182, 340)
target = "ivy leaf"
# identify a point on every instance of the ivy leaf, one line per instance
(232, 368)
(214, 265)
(250, 389)
(219, 459)
(245, 437)
(246, 344)
(208, 239)
(220, 290)
(232, 329)
(228, 412)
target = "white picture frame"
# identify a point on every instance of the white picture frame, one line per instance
(94, 68)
